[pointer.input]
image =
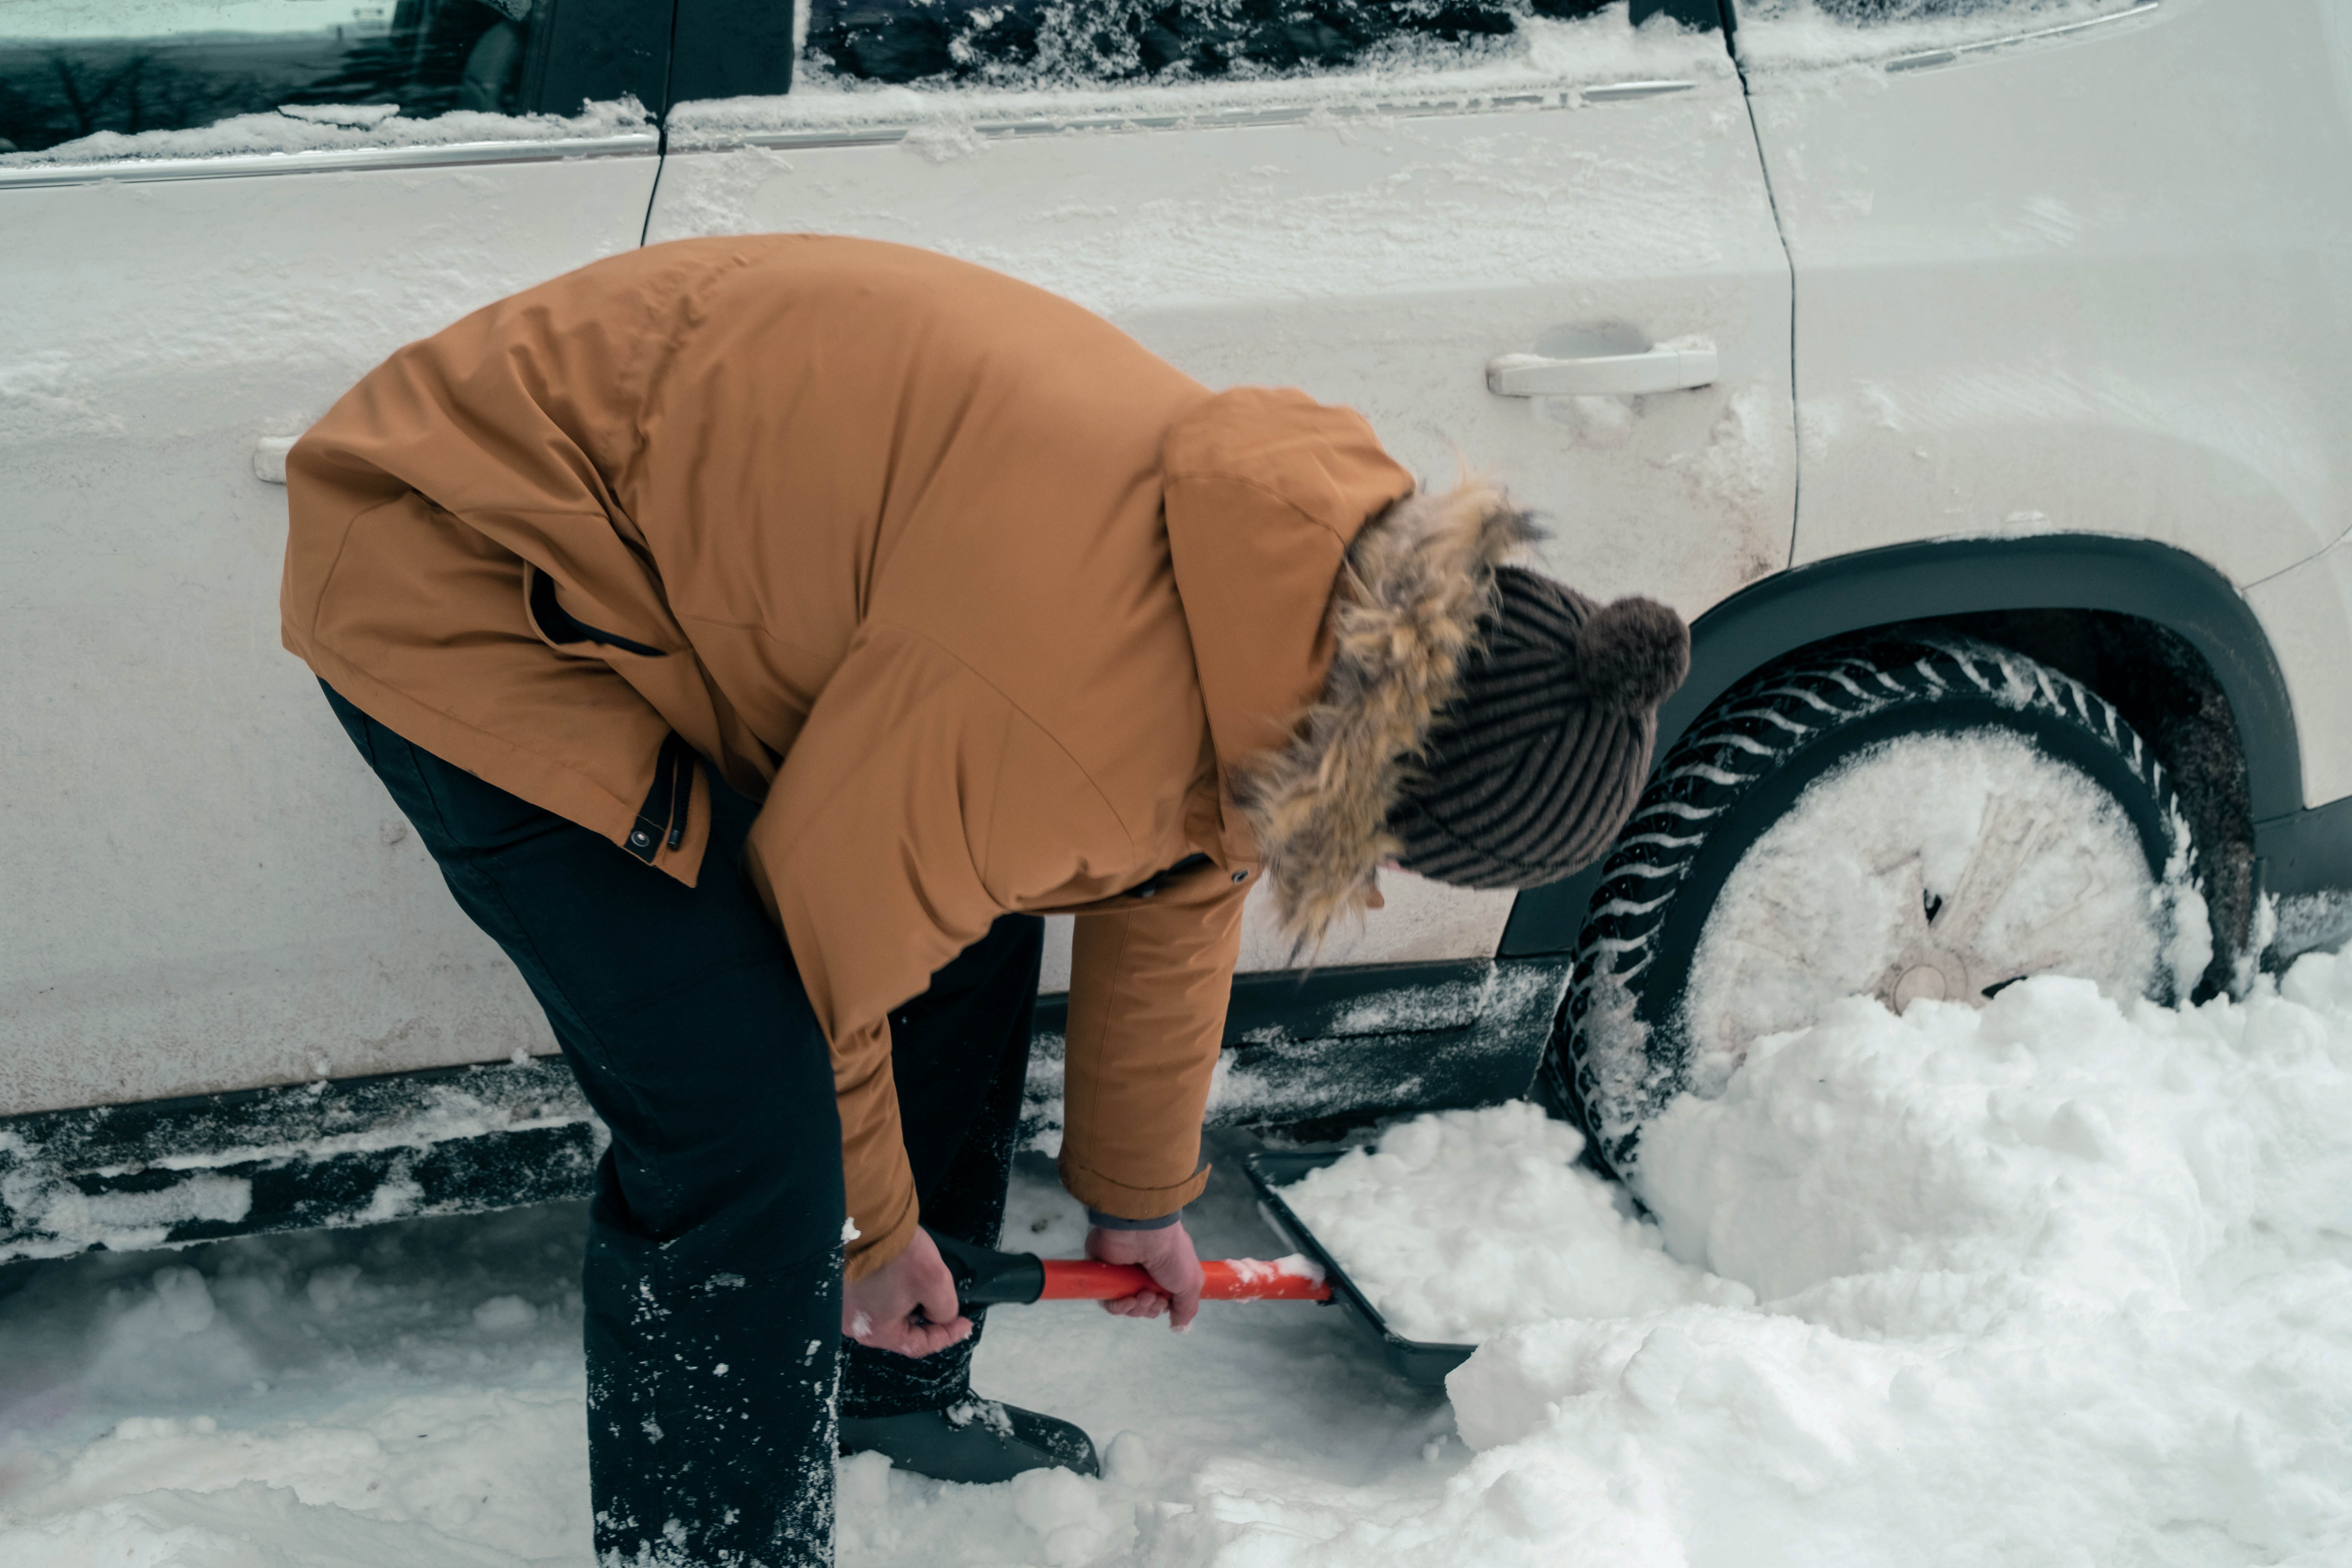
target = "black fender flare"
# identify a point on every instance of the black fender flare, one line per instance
(2154, 582)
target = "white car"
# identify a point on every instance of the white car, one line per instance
(1972, 373)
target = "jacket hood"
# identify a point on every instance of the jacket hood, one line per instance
(1417, 582)
(1262, 492)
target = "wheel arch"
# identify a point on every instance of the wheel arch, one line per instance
(2156, 583)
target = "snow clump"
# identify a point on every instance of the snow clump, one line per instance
(1463, 1223)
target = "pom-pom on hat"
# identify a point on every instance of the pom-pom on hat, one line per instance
(1535, 764)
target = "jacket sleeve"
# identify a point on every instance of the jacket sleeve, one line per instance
(1148, 986)
(873, 853)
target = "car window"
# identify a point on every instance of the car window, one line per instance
(71, 70)
(1038, 42)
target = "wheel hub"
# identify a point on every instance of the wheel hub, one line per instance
(1937, 955)
(1918, 981)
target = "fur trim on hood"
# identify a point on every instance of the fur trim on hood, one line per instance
(1416, 584)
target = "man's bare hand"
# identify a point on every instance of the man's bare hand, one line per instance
(1167, 1256)
(879, 1309)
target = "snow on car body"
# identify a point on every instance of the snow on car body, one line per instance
(2020, 325)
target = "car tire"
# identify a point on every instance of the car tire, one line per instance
(1859, 720)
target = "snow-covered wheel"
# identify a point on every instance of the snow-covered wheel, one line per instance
(1900, 818)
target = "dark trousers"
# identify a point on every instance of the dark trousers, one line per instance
(713, 1283)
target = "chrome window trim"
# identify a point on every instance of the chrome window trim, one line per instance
(687, 139)
(1630, 91)
(883, 134)
(1926, 58)
(454, 155)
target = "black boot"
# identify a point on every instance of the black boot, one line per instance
(975, 1440)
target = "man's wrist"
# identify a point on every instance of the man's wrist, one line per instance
(1102, 1221)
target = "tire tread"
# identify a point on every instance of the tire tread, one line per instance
(1751, 731)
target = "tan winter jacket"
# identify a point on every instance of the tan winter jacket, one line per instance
(987, 602)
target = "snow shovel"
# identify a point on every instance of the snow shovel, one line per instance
(985, 1277)
(1425, 1362)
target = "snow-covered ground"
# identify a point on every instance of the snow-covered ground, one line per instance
(412, 1393)
(2053, 1282)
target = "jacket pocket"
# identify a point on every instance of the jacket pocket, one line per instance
(559, 626)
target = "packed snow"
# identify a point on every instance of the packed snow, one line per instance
(2060, 1280)
(2028, 866)
(412, 1395)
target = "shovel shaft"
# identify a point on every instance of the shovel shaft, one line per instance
(984, 1277)
(1236, 1279)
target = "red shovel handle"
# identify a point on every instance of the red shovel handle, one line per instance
(1238, 1279)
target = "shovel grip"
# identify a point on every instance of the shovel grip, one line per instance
(984, 1277)
(1237, 1279)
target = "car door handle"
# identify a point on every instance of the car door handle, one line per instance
(1657, 370)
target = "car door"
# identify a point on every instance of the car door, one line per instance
(2079, 270)
(1331, 199)
(216, 215)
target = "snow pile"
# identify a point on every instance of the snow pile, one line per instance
(2050, 1282)
(1462, 1224)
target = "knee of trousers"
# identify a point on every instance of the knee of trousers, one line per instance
(721, 1103)
(750, 1207)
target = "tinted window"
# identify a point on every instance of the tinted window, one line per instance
(70, 67)
(1126, 40)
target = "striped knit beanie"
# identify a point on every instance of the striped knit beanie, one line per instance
(1536, 762)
